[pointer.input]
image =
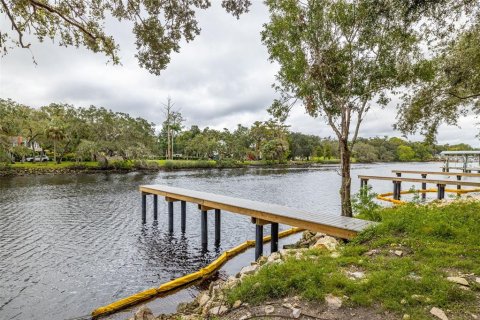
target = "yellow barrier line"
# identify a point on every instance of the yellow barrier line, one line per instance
(384, 196)
(176, 283)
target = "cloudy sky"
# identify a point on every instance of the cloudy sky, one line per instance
(220, 79)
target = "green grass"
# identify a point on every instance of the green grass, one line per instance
(437, 241)
(52, 165)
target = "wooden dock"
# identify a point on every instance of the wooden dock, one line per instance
(397, 182)
(261, 213)
(436, 173)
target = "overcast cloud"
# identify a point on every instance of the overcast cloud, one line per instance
(220, 79)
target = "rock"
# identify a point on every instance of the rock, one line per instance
(398, 253)
(262, 260)
(406, 316)
(307, 235)
(269, 309)
(458, 280)
(296, 313)
(474, 316)
(246, 316)
(298, 256)
(289, 252)
(237, 304)
(437, 312)
(356, 275)
(144, 313)
(274, 256)
(249, 269)
(326, 242)
(218, 311)
(372, 252)
(477, 280)
(231, 282)
(333, 302)
(403, 301)
(203, 298)
(287, 305)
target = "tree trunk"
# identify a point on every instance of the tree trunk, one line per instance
(54, 151)
(345, 189)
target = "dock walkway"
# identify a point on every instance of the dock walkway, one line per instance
(260, 212)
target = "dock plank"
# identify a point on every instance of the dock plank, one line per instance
(343, 227)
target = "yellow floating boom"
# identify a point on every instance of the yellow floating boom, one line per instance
(182, 281)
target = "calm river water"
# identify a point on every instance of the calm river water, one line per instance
(71, 243)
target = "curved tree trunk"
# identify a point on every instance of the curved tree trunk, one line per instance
(345, 189)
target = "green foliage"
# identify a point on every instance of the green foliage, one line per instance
(159, 27)
(405, 153)
(364, 205)
(453, 88)
(364, 152)
(186, 164)
(435, 241)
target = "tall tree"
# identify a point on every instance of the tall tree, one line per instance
(338, 58)
(159, 26)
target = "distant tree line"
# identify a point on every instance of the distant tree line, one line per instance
(65, 132)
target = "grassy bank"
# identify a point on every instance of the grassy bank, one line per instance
(405, 261)
(129, 165)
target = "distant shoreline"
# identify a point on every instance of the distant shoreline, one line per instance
(25, 169)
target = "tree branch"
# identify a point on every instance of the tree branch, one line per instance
(15, 26)
(71, 21)
(475, 95)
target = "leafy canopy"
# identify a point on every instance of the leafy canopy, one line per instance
(158, 25)
(337, 57)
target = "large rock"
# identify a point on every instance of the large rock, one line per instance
(144, 313)
(203, 298)
(296, 313)
(327, 242)
(437, 312)
(269, 309)
(274, 256)
(218, 311)
(249, 269)
(458, 280)
(333, 302)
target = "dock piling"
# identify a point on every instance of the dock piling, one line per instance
(144, 207)
(217, 226)
(170, 216)
(397, 188)
(459, 178)
(424, 187)
(183, 215)
(440, 191)
(274, 240)
(258, 241)
(203, 225)
(155, 207)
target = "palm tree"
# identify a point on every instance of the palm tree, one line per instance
(55, 134)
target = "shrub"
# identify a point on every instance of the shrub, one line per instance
(188, 164)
